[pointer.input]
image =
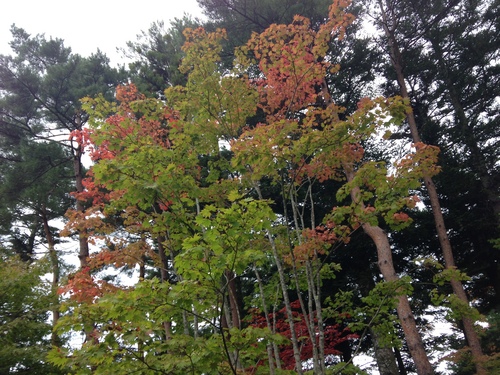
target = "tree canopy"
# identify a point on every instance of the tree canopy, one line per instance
(281, 191)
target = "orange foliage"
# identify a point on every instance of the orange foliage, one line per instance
(83, 288)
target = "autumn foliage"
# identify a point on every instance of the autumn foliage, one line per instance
(334, 335)
(165, 196)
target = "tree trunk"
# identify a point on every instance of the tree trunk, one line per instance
(167, 326)
(384, 355)
(396, 59)
(83, 254)
(286, 298)
(386, 267)
(406, 319)
(80, 207)
(272, 349)
(233, 301)
(399, 360)
(54, 261)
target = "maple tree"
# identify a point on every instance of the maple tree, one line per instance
(166, 194)
(333, 335)
(25, 299)
(294, 81)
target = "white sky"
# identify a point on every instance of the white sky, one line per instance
(88, 25)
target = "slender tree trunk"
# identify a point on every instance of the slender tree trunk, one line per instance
(306, 312)
(167, 326)
(286, 298)
(163, 259)
(270, 347)
(142, 275)
(80, 207)
(233, 300)
(478, 160)
(54, 261)
(457, 287)
(83, 254)
(401, 364)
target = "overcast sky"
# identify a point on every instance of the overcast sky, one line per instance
(88, 25)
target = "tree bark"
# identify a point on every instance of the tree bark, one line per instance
(397, 62)
(54, 261)
(167, 326)
(386, 267)
(272, 349)
(286, 298)
(406, 319)
(384, 355)
(386, 361)
(233, 300)
(80, 207)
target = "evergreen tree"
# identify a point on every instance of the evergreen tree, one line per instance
(156, 56)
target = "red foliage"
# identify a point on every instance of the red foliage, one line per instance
(128, 93)
(83, 288)
(334, 334)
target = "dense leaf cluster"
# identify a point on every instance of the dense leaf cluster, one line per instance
(274, 214)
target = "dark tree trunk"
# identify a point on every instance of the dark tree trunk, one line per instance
(54, 261)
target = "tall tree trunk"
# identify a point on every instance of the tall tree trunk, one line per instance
(83, 254)
(54, 261)
(386, 267)
(313, 328)
(406, 319)
(167, 326)
(272, 349)
(80, 207)
(457, 287)
(469, 138)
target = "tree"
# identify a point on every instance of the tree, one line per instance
(24, 301)
(334, 335)
(293, 64)
(241, 18)
(208, 233)
(34, 192)
(41, 85)
(156, 56)
(390, 17)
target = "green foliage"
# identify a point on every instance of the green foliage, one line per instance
(24, 304)
(34, 185)
(458, 309)
(162, 175)
(375, 312)
(226, 240)
(131, 334)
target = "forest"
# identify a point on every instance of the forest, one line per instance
(283, 187)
